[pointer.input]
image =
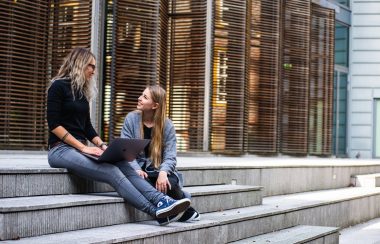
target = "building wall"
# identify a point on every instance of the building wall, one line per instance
(365, 77)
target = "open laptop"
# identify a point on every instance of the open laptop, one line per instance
(121, 149)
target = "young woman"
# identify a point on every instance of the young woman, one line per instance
(68, 116)
(158, 163)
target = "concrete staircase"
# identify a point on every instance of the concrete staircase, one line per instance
(44, 205)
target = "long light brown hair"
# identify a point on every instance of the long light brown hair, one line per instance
(158, 95)
(74, 67)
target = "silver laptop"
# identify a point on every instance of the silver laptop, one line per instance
(121, 149)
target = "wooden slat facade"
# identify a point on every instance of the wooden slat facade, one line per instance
(321, 80)
(186, 81)
(294, 80)
(136, 60)
(23, 74)
(229, 83)
(271, 76)
(264, 72)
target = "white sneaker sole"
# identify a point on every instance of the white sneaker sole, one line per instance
(172, 220)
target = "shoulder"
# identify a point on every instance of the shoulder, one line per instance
(133, 116)
(60, 83)
(169, 125)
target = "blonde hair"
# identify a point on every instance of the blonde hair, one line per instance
(74, 67)
(158, 95)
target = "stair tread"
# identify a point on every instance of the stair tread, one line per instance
(17, 204)
(367, 175)
(271, 206)
(294, 234)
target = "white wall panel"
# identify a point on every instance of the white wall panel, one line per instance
(361, 106)
(365, 75)
(366, 20)
(360, 131)
(366, 32)
(358, 144)
(366, 69)
(366, 44)
(366, 56)
(361, 94)
(363, 119)
(365, 81)
(367, 7)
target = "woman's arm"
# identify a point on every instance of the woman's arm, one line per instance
(128, 132)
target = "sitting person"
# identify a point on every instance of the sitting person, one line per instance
(68, 117)
(158, 162)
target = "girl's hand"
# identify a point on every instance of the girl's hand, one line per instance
(142, 173)
(92, 150)
(162, 182)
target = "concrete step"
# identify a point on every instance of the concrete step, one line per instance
(366, 180)
(339, 207)
(39, 215)
(297, 234)
(28, 174)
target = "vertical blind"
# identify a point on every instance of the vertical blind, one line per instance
(186, 84)
(136, 46)
(294, 85)
(229, 83)
(263, 68)
(23, 74)
(35, 38)
(321, 80)
(70, 27)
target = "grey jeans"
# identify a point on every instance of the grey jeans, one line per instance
(121, 176)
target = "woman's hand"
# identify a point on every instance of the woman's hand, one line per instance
(142, 173)
(103, 147)
(92, 150)
(162, 182)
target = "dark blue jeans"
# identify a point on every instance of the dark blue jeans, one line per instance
(121, 176)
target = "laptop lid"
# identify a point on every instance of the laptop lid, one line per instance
(121, 149)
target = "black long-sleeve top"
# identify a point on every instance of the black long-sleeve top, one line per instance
(63, 110)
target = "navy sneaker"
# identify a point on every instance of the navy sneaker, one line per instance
(167, 206)
(167, 220)
(190, 215)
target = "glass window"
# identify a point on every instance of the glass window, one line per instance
(341, 45)
(344, 2)
(340, 110)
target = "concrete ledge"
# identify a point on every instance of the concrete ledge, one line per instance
(276, 181)
(368, 180)
(341, 207)
(278, 176)
(297, 234)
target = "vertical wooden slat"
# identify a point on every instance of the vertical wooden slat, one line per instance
(264, 69)
(294, 84)
(321, 80)
(229, 85)
(187, 71)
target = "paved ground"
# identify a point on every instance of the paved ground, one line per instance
(366, 233)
